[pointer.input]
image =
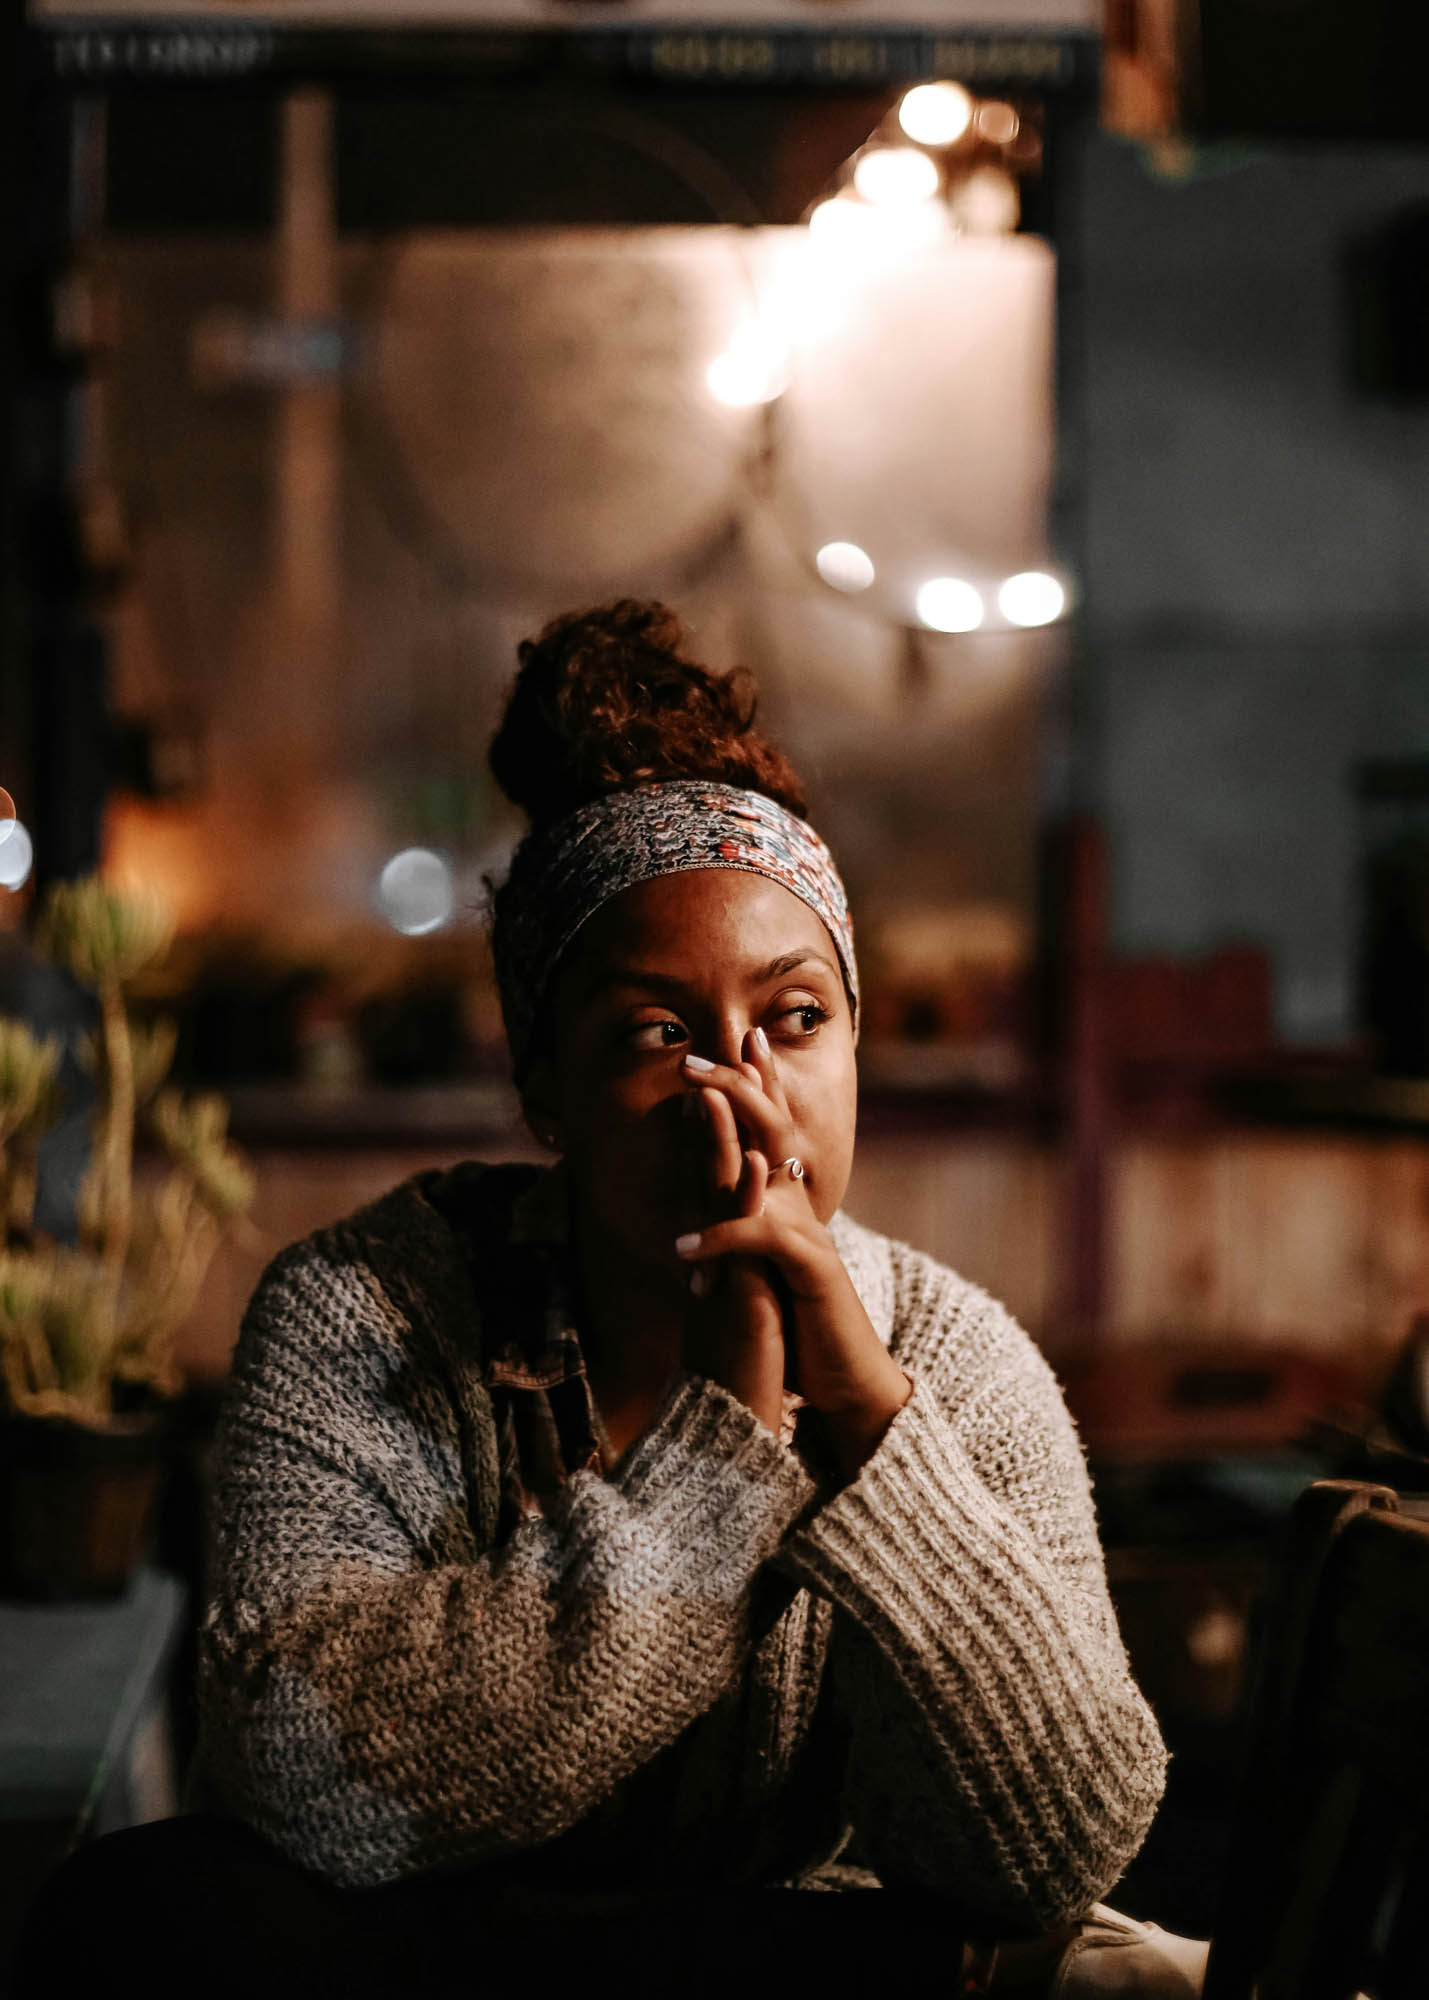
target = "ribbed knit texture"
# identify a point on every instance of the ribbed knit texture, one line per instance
(706, 1668)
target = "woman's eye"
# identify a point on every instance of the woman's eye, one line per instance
(657, 1034)
(805, 1020)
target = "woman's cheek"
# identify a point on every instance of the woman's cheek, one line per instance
(824, 1121)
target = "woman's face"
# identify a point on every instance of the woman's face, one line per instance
(687, 965)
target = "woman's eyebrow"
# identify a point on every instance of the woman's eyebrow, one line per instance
(777, 967)
(664, 982)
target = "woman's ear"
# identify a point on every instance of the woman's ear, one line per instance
(539, 1099)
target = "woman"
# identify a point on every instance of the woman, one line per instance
(643, 1522)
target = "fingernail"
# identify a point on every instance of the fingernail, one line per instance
(761, 1041)
(699, 1281)
(686, 1246)
(698, 1063)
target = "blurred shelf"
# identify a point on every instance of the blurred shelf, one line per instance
(479, 1112)
(487, 1113)
(1355, 1102)
(903, 1089)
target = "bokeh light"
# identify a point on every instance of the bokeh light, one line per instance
(987, 203)
(838, 224)
(936, 114)
(949, 604)
(415, 891)
(845, 565)
(896, 176)
(842, 227)
(753, 369)
(1032, 597)
(17, 854)
(998, 123)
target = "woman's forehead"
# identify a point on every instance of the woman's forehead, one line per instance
(682, 921)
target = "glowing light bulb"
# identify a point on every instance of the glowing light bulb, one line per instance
(16, 855)
(845, 565)
(987, 203)
(842, 227)
(415, 892)
(936, 114)
(998, 123)
(896, 176)
(1031, 598)
(754, 368)
(948, 604)
(837, 222)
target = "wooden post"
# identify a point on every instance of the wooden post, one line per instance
(306, 513)
(1078, 1043)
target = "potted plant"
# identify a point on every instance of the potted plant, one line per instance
(87, 1374)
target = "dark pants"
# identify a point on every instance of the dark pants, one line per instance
(200, 1906)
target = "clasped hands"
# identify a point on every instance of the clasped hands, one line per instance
(772, 1305)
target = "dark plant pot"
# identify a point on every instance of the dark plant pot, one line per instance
(76, 1503)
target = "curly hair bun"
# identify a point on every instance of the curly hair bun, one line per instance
(606, 699)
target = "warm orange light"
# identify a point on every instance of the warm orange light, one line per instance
(1032, 597)
(896, 176)
(949, 604)
(753, 369)
(165, 849)
(936, 114)
(987, 203)
(998, 123)
(845, 566)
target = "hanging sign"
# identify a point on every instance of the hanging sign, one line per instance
(976, 17)
(1032, 44)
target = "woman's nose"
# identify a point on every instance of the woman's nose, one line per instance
(727, 1044)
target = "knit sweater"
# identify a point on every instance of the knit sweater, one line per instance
(715, 1665)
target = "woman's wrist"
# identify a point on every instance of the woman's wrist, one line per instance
(856, 1431)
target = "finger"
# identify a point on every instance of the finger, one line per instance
(802, 1259)
(758, 1056)
(753, 1181)
(767, 1126)
(728, 1157)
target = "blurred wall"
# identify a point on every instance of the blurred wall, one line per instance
(527, 425)
(1257, 587)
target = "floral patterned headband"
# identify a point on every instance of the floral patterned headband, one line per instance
(561, 877)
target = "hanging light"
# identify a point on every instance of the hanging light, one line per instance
(415, 892)
(838, 222)
(845, 566)
(896, 176)
(987, 203)
(17, 853)
(998, 123)
(1032, 597)
(949, 604)
(936, 114)
(846, 227)
(753, 369)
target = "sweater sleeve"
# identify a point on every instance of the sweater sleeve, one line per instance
(1001, 1754)
(379, 1695)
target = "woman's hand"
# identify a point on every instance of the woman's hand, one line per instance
(734, 1332)
(838, 1364)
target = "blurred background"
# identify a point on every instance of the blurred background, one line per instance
(1034, 395)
